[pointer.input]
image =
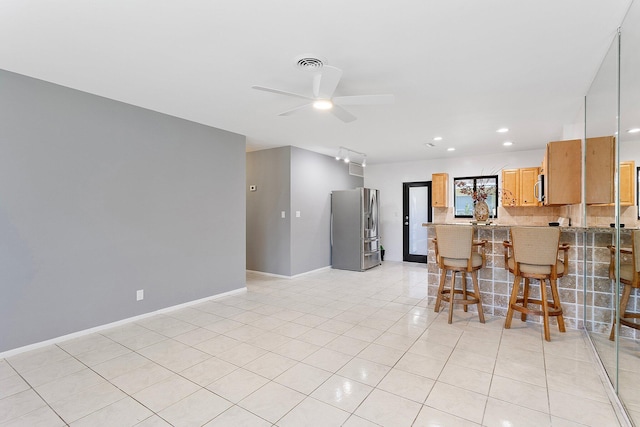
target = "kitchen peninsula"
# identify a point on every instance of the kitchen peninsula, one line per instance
(588, 250)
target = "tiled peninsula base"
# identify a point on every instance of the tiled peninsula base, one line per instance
(495, 282)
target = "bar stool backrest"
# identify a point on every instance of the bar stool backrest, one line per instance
(535, 245)
(454, 241)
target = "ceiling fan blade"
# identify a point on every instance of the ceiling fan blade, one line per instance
(364, 100)
(342, 114)
(295, 110)
(280, 92)
(325, 83)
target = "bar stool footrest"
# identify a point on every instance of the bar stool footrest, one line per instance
(472, 298)
(552, 311)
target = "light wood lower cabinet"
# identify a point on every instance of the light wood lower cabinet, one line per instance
(439, 193)
(518, 187)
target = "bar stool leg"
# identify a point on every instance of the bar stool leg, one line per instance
(512, 301)
(452, 295)
(464, 289)
(557, 305)
(525, 298)
(612, 335)
(624, 300)
(443, 276)
(545, 309)
(476, 289)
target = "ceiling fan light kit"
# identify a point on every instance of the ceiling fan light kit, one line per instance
(352, 156)
(322, 104)
(325, 82)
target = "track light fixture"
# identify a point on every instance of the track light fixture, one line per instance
(351, 156)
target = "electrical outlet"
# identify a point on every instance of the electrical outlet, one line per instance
(140, 295)
(283, 214)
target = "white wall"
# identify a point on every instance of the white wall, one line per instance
(388, 178)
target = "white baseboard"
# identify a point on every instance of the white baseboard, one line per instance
(281, 276)
(67, 337)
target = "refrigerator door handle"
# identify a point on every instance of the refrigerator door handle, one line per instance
(331, 230)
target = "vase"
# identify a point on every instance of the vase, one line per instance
(481, 211)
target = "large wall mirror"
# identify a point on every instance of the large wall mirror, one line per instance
(601, 107)
(628, 343)
(613, 110)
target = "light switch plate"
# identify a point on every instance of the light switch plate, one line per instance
(283, 215)
(297, 214)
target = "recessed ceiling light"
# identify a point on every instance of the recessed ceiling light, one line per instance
(323, 104)
(507, 143)
(503, 130)
(634, 130)
(437, 138)
(451, 149)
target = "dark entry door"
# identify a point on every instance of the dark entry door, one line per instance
(416, 202)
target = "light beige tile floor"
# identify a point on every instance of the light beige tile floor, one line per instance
(328, 348)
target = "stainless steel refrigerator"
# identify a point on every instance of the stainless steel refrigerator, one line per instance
(355, 242)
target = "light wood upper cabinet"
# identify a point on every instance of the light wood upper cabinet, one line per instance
(601, 173)
(562, 170)
(510, 187)
(600, 164)
(439, 194)
(627, 183)
(528, 180)
(518, 187)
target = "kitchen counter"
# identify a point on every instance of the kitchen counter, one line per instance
(588, 252)
(610, 230)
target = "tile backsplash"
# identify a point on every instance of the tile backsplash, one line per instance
(597, 216)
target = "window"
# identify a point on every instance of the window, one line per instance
(464, 190)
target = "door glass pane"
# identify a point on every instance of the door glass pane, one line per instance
(418, 197)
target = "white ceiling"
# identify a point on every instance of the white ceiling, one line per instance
(458, 68)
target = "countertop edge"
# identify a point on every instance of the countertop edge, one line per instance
(507, 226)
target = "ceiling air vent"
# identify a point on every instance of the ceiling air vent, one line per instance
(356, 170)
(309, 62)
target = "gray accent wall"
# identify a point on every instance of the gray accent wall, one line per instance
(268, 234)
(292, 179)
(99, 199)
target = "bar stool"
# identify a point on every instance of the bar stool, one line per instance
(535, 256)
(455, 252)
(509, 265)
(630, 278)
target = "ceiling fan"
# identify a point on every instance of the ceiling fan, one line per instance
(325, 83)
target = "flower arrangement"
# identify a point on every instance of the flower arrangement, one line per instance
(481, 192)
